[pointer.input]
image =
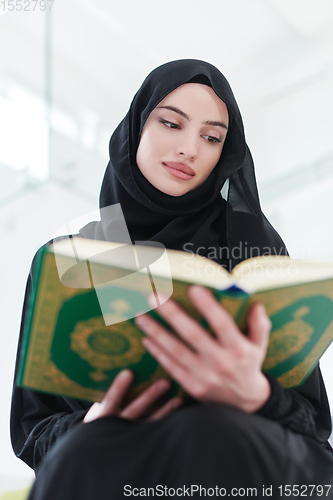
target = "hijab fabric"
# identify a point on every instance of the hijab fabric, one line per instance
(200, 221)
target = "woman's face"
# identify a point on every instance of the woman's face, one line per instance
(182, 139)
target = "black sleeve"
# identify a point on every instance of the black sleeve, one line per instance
(304, 410)
(38, 419)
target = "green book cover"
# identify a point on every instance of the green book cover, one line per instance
(72, 348)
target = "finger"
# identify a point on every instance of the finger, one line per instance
(192, 381)
(113, 398)
(139, 406)
(187, 328)
(168, 342)
(259, 326)
(178, 372)
(167, 408)
(93, 413)
(221, 322)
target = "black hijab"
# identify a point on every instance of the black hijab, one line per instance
(201, 217)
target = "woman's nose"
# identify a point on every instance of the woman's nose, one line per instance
(188, 148)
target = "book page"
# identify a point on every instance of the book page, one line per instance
(265, 273)
(196, 269)
(184, 266)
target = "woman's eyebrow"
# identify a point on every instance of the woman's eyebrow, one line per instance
(218, 124)
(181, 113)
(176, 110)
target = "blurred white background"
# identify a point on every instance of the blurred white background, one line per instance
(67, 76)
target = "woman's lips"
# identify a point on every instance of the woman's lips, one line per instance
(179, 170)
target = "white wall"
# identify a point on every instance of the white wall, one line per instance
(25, 225)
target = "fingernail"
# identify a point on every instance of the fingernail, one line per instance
(264, 315)
(162, 297)
(124, 374)
(162, 385)
(195, 290)
(142, 320)
(177, 402)
(145, 342)
(262, 309)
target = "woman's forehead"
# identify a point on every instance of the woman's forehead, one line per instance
(194, 97)
(189, 89)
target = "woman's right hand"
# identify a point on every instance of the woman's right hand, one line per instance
(112, 401)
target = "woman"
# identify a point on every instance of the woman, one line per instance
(169, 158)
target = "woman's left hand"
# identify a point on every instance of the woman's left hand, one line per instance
(225, 369)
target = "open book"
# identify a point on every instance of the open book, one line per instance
(80, 330)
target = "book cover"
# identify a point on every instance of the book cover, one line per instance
(72, 348)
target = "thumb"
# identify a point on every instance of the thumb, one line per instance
(113, 398)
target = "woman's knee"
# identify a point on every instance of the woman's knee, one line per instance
(220, 425)
(214, 417)
(78, 444)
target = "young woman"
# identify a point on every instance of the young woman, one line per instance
(181, 140)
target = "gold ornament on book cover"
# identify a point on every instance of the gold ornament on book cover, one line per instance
(107, 347)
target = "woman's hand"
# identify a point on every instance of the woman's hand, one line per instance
(225, 369)
(111, 404)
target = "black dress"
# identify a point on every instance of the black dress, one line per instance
(209, 446)
(285, 443)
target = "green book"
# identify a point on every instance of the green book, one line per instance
(80, 330)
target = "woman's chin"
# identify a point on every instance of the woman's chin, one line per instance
(174, 192)
(173, 189)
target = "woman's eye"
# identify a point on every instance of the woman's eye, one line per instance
(211, 139)
(169, 124)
